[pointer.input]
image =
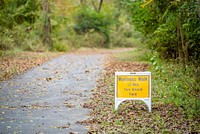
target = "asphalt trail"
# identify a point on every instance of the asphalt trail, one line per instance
(49, 98)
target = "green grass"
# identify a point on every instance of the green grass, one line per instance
(9, 52)
(175, 85)
(137, 55)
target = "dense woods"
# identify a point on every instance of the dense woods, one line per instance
(170, 29)
(42, 25)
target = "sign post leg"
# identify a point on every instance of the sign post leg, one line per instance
(117, 103)
(148, 103)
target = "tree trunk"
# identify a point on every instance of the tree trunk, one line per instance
(47, 24)
(100, 5)
(184, 45)
(180, 55)
(186, 52)
(82, 2)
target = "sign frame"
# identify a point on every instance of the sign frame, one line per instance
(146, 100)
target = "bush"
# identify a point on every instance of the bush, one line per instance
(60, 46)
(19, 38)
(6, 44)
(125, 36)
(87, 20)
(91, 39)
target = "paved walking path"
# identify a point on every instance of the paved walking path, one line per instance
(49, 98)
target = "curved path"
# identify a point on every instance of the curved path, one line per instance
(50, 98)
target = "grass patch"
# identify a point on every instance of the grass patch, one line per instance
(10, 52)
(179, 88)
(176, 85)
(137, 55)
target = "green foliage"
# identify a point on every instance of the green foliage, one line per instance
(91, 39)
(26, 11)
(137, 55)
(191, 27)
(133, 116)
(60, 46)
(174, 85)
(166, 45)
(87, 20)
(125, 36)
(17, 21)
(21, 26)
(171, 27)
(6, 43)
(18, 12)
(12, 52)
(156, 63)
(12, 38)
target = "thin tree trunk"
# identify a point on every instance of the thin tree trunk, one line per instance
(184, 45)
(186, 51)
(180, 55)
(100, 5)
(183, 41)
(82, 2)
(47, 23)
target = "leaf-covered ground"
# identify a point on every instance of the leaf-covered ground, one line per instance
(133, 116)
(20, 62)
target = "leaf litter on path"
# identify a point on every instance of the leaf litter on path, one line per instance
(20, 62)
(46, 98)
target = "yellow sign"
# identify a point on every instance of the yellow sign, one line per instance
(133, 86)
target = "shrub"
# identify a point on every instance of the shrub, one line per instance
(91, 39)
(6, 43)
(60, 46)
(125, 36)
(87, 19)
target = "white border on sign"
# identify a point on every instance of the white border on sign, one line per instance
(147, 101)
